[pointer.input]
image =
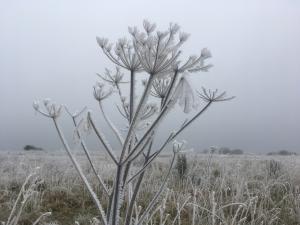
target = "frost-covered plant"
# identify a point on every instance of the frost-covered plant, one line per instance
(28, 189)
(274, 168)
(157, 55)
(182, 166)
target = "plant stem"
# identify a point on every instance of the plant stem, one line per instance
(153, 201)
(78, 168)
(106, 146)
(136, 189)
(136, 117)
(87, 153)
(123, 104)
(111, 125)
(170, 89)
(116, 197)
(132, 90)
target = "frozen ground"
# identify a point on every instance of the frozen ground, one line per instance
(246, 189)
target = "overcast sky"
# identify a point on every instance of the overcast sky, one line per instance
(48, 49)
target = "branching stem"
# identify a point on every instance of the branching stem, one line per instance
(111, 125)
(79, 170)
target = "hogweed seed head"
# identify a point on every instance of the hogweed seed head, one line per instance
(149, 27)
(53, 110)
(148, 111)
(157, 52)
(112, 78)
(213, 96)
(99, 92)
(178, 146)
(183, 37)
(46, 101)
(123, 55)
(36, 104)
(102, 42)
(160, 87)
(205, 53)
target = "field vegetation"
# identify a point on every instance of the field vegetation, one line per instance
(208, 189)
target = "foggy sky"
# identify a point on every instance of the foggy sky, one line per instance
(48, 49)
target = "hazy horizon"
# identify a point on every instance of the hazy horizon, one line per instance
(48, 49)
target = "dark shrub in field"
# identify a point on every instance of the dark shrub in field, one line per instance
(32, 147)
(237, 152)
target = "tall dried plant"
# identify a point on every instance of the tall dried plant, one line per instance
(156, 54)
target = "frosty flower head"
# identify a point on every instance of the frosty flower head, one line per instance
(36, 105)
(52, 109)
(160, 87)
(213, 96)
(124, 56)
(205, 53)
(122, 43)
(157, 52)
(197, 63)
(76, 113)
(100, 93)
(174, 28)
(148, 111)
(149, 27)
(122, 48)
(112, 78)
(102, 42)
(46, 101)
(178, 146)
(183, 37)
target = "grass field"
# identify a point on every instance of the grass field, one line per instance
(215, 189)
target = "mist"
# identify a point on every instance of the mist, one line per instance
(48, 49)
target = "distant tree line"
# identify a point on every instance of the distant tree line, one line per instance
(237, 151)
(282, 152)
(224, 151)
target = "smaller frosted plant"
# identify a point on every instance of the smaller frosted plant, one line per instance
(182, 166)
(155, 54)
(28, 189)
